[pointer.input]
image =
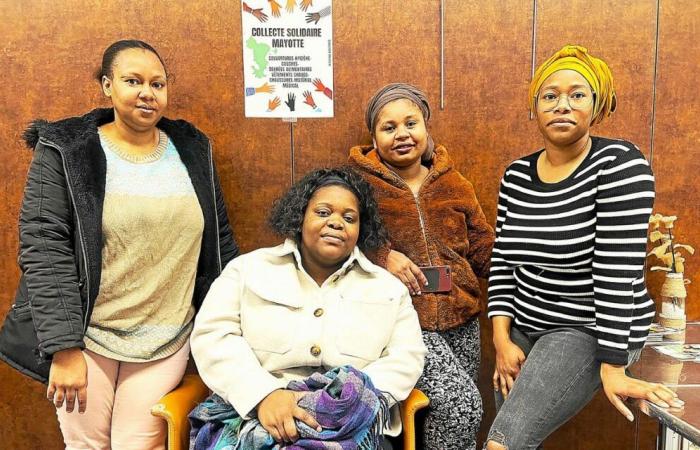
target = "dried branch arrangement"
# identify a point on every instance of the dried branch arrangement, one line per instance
(667, 250)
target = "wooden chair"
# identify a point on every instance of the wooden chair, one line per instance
(175, 406)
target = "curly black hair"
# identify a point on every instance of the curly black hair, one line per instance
(287, 214)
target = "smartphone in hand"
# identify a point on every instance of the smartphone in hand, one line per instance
(439, 278)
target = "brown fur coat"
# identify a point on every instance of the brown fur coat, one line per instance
(456, 232)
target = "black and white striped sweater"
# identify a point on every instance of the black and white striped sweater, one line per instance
(571, 254)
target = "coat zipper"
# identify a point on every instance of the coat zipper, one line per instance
(422, 225)
(216, 212)
(80, 230)
(420, 211)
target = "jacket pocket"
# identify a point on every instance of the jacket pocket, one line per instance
(365, 327)
(21, 306)
(18, 341)
(463, 277)
(268, 326)
(20, 311)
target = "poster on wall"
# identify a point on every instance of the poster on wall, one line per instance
(288, 58)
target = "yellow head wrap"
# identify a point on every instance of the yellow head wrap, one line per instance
(594, 70)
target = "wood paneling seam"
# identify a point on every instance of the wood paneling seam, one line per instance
(291, 151)
(534, 44)
(442, 55)
(653, 86)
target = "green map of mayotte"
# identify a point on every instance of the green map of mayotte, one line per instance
(260, 51)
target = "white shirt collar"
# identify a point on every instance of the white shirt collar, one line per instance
(356, 256)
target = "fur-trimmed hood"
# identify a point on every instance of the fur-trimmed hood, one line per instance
(85, 165)
(367, 157)
(76, 132)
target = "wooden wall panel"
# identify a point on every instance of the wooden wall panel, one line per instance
(677, 136)
(484, 124)
(623, 34)
(50, 51)
(35, 86)
(375, 43)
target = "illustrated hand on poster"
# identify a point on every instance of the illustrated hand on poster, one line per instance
(305, 4)
(266, 88)
(309, 100)
(290, 6)
(320, 87)
(257, 13)
(274, 103)
(291, 99)
(315, 17)
(275, 7)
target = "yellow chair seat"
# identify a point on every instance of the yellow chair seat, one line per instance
(175, 406)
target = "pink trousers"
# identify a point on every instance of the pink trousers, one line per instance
(119, 400)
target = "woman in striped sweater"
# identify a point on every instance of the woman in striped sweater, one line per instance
(566, 291)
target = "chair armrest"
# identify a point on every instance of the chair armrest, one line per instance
(176, 405)
(415, 401)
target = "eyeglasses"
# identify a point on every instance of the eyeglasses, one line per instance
(577, 99)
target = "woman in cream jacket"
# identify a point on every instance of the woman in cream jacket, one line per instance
(313, 303)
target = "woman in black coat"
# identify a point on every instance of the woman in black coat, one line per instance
(122, 230)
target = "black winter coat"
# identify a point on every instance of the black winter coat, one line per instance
(60, 230)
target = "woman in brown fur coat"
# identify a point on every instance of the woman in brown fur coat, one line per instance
(433, 219)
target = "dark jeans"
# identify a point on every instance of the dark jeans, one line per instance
(559, 377)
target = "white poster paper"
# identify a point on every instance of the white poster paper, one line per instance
(288, 58)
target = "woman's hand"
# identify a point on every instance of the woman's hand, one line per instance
(509, 359)
(618, 387)
(68, 379)
(277, 412)
(403, 268)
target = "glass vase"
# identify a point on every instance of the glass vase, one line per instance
(673, 295)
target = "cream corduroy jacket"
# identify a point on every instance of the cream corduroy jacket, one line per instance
(265, 322)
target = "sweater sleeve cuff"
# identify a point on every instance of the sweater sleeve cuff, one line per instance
(612, 356)
(499, 312)
(500, 307)
(49, 348)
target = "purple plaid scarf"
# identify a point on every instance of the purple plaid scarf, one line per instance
(343, 401)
